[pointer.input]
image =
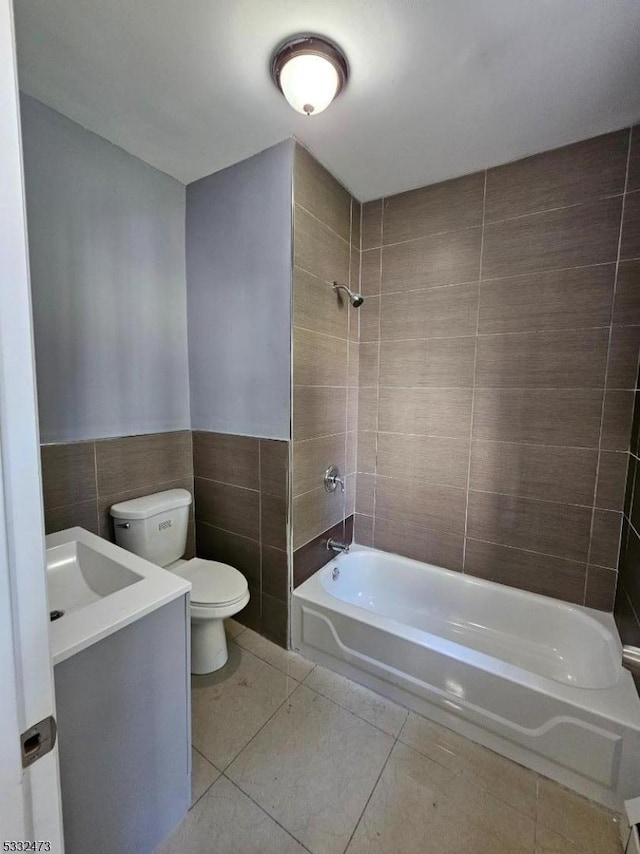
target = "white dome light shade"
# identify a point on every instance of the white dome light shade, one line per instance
(309, 83)
(310, 71)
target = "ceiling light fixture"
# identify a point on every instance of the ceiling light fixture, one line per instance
(310, 71)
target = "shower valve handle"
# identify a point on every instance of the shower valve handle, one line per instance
(332, 478)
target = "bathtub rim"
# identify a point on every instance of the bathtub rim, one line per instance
(624, 726)
(619, 703)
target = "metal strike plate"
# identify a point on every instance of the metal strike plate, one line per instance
(37, 741)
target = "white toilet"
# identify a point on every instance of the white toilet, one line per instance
(155, 527)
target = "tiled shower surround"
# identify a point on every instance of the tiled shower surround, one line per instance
(627, 604)
(498, 357)
(240, 489)
(325, 360)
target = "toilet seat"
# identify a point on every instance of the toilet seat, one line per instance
(214, 584)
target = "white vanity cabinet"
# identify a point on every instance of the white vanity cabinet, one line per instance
(123, 711)
(121, 656)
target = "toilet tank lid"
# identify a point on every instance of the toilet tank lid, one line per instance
(151, 505)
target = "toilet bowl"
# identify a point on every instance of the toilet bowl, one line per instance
(218, 591)
(155, 527)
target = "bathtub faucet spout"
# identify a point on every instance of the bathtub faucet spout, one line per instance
(337, 547)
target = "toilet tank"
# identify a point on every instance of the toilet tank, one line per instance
(154, 526)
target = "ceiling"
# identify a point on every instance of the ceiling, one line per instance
(438, 88)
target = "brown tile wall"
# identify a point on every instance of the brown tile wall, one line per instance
(499, 345)
(627, 603)
(240, 492)
(241, 518)
(325, 357)
(81, 480)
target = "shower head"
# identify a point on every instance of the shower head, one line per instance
(356, 300)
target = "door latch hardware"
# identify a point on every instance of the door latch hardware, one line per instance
(38, 740)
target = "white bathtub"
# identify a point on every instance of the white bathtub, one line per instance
(533, 678)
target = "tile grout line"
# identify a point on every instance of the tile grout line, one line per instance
(243, 628)
(631, 605)
(632, 526)
(377, 387)
(539, 272)
(317, 438)
(234, 485)
(535, 827)
(198, 799)
(357, 388)
(208, 761)
(606, 370)
(558, 332)
(589, 448)
(95, 474)
(281, 649)
(275, 711)
(494, 388)
(519, 495)
(371, 793)
(541, 554)
(492, 222)
(234, 533)
(322, 334)
(350, 318)
(253, 737)
(475, 366)
(502, 545)
(322, 222)
(263, 810)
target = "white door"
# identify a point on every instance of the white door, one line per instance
(30, 798)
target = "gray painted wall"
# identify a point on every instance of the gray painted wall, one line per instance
(107, 252)
(239, 296)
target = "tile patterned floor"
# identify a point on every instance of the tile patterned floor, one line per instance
(289, 757)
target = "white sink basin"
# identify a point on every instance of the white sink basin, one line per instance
(78, 575)
(97, 588)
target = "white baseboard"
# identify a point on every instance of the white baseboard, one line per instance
(634, 843)
(632, 814)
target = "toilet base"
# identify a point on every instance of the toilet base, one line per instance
(208, 640)
(208, 645)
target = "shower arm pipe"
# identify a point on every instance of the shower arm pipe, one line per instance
(356, 300)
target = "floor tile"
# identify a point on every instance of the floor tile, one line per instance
(500, 777)
(225, 821)
(233, 628)
(203, 774)
(593, 829)
(366, 704)
(421, 807)
(550, 842)
(312, 768)
(288, 662)
(230, 706)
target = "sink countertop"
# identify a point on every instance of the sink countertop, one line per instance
(92, 618)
